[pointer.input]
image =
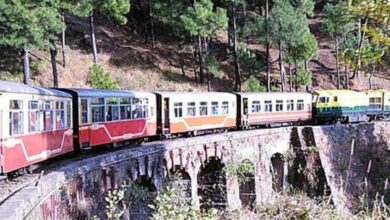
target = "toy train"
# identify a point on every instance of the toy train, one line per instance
(38, 123)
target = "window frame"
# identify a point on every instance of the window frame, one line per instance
(178, 109)
(16, 111)
(203, 107)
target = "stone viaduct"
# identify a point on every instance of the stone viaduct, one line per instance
(313, 159)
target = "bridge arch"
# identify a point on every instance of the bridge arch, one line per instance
(279, 172)
(211, 180)
(247, 186)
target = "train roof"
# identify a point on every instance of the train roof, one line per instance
(337, 92)
(181, 94)
(12, 87)
(273, 93)
(106, 93)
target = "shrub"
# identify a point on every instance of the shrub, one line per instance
(254, 85)
(100, 79)
(302, 77)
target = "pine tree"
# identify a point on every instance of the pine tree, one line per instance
(26, 26)
(337, 22)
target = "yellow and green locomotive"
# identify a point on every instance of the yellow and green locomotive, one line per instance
(351, 106)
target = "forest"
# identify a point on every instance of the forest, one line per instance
(236, 45)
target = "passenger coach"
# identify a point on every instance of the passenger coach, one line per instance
(111, 116)
(270, 108)
(190, 112)
(35, 125)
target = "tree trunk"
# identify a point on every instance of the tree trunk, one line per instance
(230, 31)
(53, 54)
(151, 23)
(131, 16)
(208, 81)
(295, 81)
(281, 67)
(201, 59)
(93, 39)
(346, 74)
(290, 76)
(194, 66)
(26, 67)
(237, 86)
(362, 35)
(267, 48)
(370, 78)
(63, 40)
(337, 63)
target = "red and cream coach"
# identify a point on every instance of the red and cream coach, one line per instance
(36, 125)
(272, 108)
(190, 112)
(110, 116)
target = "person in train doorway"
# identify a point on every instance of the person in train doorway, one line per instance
(108, 114)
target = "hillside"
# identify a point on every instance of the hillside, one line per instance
(137, 67)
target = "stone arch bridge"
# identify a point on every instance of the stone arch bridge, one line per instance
(278, 156)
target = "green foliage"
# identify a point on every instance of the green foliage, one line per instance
(304, 6)
(305, 49)
(113, 199)
(337, 20)
(303, 77)
(24, 24)
(240, 170)
(287, 24)
(100, 79)
(201, 19)
(171, 204)
(212, 67)
(254, 85)
(249, 60)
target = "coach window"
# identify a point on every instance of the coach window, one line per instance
(300, 105)
(279, 105)
(136, 108)
(48, 116)
(214, 108)
(225, 108)
(112, 111)
(178, 109)
(256, 106)
(191, 108)
(125, 108)
(203, 109)
(60, 115)
(97, 105)
(84, 111)
(68, 114)
(290, 105)
(34, 116)
(16, 117)
(267, 106)
(145, 104)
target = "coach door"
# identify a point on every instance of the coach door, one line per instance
(245, 106)
(166, 116)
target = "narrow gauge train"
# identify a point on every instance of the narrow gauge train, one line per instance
(37, 124)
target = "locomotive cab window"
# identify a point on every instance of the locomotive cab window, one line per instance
(323, 99)
(191, 108)
(68, 114)
(16, 117)
(279, 105)
(225, 108)
(34, 116)
(256, 106)
(214, 108)
(60, 115)
(178, 109)
(203, 109)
